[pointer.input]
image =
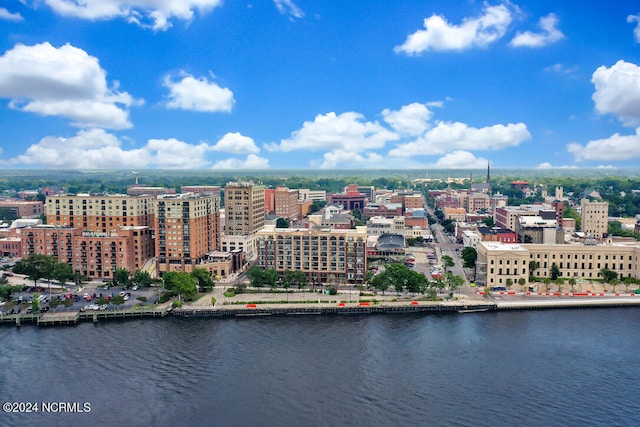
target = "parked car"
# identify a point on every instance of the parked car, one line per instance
(135, 288)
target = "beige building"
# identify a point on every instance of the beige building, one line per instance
(457, 214)
(186, 229)
(593, 218)
(325, 255)
(498, 262)
(244, 208)
(100, 213)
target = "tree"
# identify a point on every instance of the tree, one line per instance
(489, 221)
(180, 283)
(572, 283)
(533, 266)
(546, 282)
(380, 282)
(282, 223)
(628, 281)
(316, 205)
(509, 283)
(447, 261)
(522, 281)
(294, 278)
(142, 278)
(608, 275)
(454, 282)
(256, 276)
(469, 257)
(554, 273)
(62, 272)
(271, 278)
(204, 279)
(121, 277)
(449, 225)
(79, 278)
(614, 283)
(36, 267)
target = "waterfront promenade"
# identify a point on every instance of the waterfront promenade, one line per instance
(345, 302)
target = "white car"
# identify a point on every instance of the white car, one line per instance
(135, 288)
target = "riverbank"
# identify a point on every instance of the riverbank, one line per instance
(336, 306)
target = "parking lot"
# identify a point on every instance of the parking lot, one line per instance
(90, 296)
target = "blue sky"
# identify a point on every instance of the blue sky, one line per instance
(233, 84)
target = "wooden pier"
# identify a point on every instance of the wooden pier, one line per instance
(242, 311)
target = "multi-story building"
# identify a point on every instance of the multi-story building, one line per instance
(351, 199)
(594, 218)
(506, 216)
(269, 201)
(498, 262)
(306, 194)
(100, 254)
(536, 229)
(186, 228)
(22, 208)
(495, 234)
(387, 210)
(286, 203)
(207, 190)
(100, 213)
(144, 190)
(244, 208)
(379, 225)
(324, 255)
(456, 214)
(93, 254)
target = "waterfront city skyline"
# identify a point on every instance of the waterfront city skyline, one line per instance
(206, 84)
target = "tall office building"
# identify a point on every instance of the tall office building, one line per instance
(186, 230)
(593, 217)
(286, 203)
(243, 208)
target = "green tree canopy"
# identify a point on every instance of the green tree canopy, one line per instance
(469, 257)
(204, 279)
(180, 283)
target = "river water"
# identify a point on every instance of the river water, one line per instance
(551, 368)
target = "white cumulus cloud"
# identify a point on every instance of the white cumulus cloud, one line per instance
(615, 148)
(336, 158)
(549, 35)
(347, 131)
(236, 143)
(440, 35)
(412, 119)
(288, 7)
(618, 91)
(155, 14)
(460, 159)
(449, 136)
(636, 30)
(198, 94)
(65, 82)
(251, 162)
(98, 149)
(9, 16)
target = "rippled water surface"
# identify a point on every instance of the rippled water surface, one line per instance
(563, 367)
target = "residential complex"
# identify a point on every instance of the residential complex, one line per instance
(325, 255)
(187, 230)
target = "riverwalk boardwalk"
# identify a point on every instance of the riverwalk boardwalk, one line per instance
(255, 305)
